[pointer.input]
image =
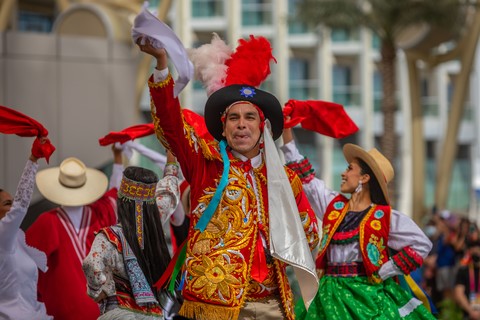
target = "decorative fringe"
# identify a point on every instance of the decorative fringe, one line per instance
(205, 311)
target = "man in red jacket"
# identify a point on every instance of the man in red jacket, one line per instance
(66, 233)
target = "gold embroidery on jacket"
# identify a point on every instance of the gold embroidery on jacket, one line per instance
(216, 264)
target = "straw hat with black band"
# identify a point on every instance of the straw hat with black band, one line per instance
(72, 183)
(381, 167)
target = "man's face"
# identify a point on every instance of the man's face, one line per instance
(6, 202)
(242, 129)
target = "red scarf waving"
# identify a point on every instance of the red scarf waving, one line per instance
(143, 130)
(14, 122)
(324, 117)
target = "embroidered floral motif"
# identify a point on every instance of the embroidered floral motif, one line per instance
(247, 92)
(325, 233)
(376, 225)
(375, 247)
(215, 275)
(379, 215)
(339, 205)
(334, 215)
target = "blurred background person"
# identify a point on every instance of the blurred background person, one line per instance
(467, 283)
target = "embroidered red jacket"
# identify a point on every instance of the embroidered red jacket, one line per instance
(219, 260)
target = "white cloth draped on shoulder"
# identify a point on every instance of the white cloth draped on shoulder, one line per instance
(288, 243)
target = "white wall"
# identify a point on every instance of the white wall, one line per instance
(79, 88)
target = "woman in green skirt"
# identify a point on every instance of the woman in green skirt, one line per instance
(365, 244)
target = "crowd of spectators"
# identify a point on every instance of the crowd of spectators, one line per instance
(445, 273)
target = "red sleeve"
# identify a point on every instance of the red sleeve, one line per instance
(43, 233)
(173, 131)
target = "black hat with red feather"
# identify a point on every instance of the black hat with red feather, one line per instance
(233, 77)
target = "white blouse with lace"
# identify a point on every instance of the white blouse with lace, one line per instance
(19, 263)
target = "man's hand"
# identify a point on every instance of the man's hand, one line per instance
(158, 53)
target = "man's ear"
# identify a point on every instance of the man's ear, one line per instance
(223, 133)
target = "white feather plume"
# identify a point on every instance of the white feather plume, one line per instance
(209, 63)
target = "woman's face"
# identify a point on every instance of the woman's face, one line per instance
(351, 177)
(6, 201)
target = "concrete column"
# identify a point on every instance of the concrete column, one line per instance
(406, 180)
(281, 50)
(233, 12)
(325, 64)
(474, 213)
(183, 29)
(366, 89)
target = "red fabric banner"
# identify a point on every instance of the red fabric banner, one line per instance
(15, 122)
(324, 117)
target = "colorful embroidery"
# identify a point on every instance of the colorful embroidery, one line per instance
(375, 248)
(247, 92)
(339, 205)
(407, 260)
(379, 214)
(333, 215)
(325, 232)
(303, 168)
(216, 276)
(376, 225)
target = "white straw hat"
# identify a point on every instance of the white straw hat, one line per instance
(72, 183)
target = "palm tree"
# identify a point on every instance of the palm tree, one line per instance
(388, 19)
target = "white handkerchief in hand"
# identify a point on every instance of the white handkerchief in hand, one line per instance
(161, 36)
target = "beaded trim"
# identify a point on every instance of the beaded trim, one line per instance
(407, 260)
(303, 168)
(134, 190)
(138, 192)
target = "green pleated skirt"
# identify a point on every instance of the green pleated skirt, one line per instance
(342, 298)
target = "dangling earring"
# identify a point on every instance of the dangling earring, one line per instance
(358, 189)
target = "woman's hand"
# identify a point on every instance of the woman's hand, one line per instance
(36, 149)
(100, 297)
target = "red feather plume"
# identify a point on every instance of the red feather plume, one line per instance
(250, 63)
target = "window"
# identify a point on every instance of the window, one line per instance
(207, 8)
(34, 22)
(256, 12)
(301, 86)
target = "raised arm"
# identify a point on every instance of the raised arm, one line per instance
(10, 223)
(170, 126)
(167, 193)
(315, 189)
